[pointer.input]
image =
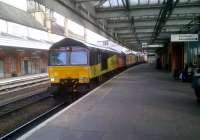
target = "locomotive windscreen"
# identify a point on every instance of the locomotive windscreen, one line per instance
(60, 57)
(78, 58)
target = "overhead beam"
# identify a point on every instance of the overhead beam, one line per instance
(166, 27)
(84, 1)
(134, 39)
(148, 24)
(164, 33)
(176, 17)
(125, 35)
(129, 37)
(131, 40)
(143, 31)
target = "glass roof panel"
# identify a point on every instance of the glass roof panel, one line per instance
(113, 3)
(183, 0)
(194, 0)
(133, 2)
(153, 1)
(161, 1)
(120, 3)
(143, 1)
(106, 4)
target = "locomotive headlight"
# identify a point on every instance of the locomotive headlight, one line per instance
(52, 79)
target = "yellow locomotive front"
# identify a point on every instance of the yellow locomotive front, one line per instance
(69, 65)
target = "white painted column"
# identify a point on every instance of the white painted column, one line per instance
(85, 35)
(66, 27)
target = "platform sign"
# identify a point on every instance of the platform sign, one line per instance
(184, 37)
(152, 46)
(155, 46)
(144, 45)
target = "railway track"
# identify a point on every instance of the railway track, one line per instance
(11, 81)
(18, 104)
(27, 126)
(10, 110)
(11, 91)
(13, 86)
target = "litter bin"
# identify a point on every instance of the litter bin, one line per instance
(196, 84)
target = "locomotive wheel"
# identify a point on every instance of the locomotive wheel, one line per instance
(54, 90)
(100, 78)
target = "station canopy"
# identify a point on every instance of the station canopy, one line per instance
(134, 22)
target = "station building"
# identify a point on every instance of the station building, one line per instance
(26, 36)
(18, 61)
(20, 53)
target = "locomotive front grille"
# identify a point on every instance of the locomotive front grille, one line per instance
(68, 81)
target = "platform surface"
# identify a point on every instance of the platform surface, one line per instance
(139, 104)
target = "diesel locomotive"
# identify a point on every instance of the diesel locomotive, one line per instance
(73, 63)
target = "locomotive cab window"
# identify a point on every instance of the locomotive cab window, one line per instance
(79, 58)
(59, 58)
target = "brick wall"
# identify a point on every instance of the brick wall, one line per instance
(17, 62)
